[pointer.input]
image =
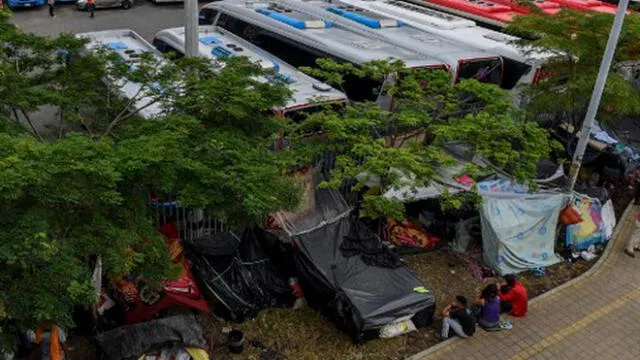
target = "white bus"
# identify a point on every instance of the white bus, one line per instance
(520, 66)
(129, 46)
(300, 39)
(463, 61)
(309, 95)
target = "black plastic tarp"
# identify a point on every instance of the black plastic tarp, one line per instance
(130, 342)
(242, 275)
(625, 130)
(359, 295)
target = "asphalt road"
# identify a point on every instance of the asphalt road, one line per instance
(144, 18)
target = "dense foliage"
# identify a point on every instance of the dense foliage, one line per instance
(403, 147)
(574, 42)
(78, 161)
(77, 164)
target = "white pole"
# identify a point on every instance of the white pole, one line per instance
(601, 81)
(191, 27)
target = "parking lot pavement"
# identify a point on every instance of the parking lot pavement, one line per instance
(144, 18)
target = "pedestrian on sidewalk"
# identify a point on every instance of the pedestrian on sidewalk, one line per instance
(457, 317)
(91, 6)
(513, 297)
(633, 244)
(51, 3)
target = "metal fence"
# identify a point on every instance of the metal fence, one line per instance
(192, 224)
(195, 224)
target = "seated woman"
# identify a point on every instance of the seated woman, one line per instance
(489, 302)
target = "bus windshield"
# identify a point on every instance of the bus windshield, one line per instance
(299, 113)
(484, 70)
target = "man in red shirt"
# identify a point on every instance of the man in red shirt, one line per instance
(513, 297)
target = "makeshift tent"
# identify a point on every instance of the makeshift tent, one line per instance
(518, 230)
(132, 341)
(454, 179)
(319, 207)
(591, 230)
(347, 273)
(625, 130)
(242, 275)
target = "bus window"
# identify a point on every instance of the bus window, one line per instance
(485, 71)
(293, 54)
(207, 16)
(298, 55)
(165, 48)
(513, 72)
(299, 114)
(361, 88)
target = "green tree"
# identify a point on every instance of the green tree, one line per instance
(77, 188)
(403, 147)
(575, 42)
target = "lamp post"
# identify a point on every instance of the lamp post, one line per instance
(191, 27)
(596, 96)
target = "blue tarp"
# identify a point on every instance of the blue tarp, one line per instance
(518, 231)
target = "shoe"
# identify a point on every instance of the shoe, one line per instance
(440, 337)
(630, 253)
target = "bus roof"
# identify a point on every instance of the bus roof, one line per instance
(129, 45)
(216, 43)
(390, 29)
(452, 27)
(326, 36)
(501, 12)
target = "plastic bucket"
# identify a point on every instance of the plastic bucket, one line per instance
(236, 341)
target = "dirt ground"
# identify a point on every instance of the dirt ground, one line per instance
(304, 334)
(279, 334)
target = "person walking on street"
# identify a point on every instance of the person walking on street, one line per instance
(633, 244)
(51, 3)
(91, 6)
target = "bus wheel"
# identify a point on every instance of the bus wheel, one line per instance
(126, 4)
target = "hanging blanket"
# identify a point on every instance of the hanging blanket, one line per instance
(407, 235)
(591, 230)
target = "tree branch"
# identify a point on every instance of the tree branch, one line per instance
(60, 124)
(125, 117)
(33, 128)
(118, 117)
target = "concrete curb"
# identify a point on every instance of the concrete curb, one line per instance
(589, 273)
(597, 266)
